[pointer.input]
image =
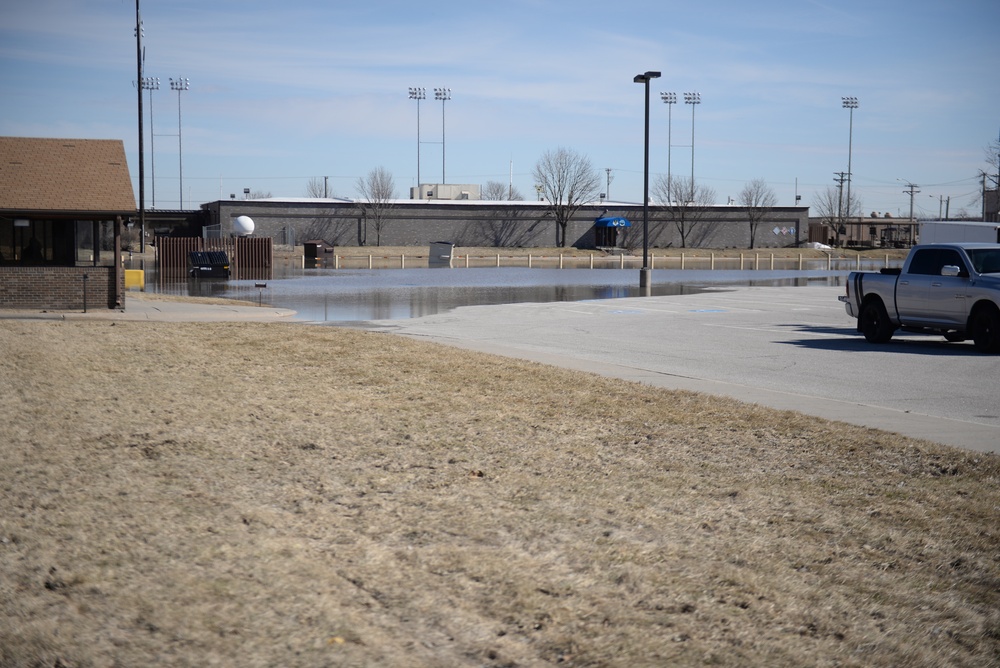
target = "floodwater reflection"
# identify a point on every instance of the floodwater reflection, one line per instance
(343, 295)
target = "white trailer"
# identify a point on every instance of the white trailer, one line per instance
(947, 231)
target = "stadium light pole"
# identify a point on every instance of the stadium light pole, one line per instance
(179, 85)
(443, 94)
(692, 99)
(418, 94)
(644, 273)
(151, 84)
(850, 103)
(669, 99)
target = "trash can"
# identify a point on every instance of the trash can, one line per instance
(313, 248)
(440, 254)
(208, 264)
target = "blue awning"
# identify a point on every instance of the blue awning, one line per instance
(612, 222)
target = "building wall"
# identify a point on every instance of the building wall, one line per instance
(991, 206)
(500, 224)
(446, 191)
(58, 288)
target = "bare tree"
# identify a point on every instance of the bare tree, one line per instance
(259, 194)
(686, 203)
(567, 181)
(498, 192)
(503, 224)
(317, 187)
(377, 192)
(992, 152)
(327, 225)
(830, 207)
(990, 177)
(757, 199)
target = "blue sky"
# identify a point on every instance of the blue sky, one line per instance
(284, 92)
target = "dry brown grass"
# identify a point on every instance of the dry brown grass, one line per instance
(290, 495)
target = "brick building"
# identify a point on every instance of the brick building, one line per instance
(62, 206)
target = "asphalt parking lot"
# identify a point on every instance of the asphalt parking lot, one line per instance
(785, 347)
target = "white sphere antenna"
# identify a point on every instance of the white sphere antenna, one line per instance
(243, 226)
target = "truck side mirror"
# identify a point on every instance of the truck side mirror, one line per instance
(950, 270)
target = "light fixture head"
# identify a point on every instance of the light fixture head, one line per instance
(442, 94)
(181, 83)
(669, 98)
(849, 102)
(418, 93)
(692, 98)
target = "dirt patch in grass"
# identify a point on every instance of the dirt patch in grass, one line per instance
(263, 495)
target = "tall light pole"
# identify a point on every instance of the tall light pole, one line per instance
(692, 99)
(142, 157)
(669, 99)
(151, 84)
(180, 85)
(852, 104)
(644, 273)
(442, 94)
(418, 94)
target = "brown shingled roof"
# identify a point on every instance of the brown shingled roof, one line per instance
(64, 176)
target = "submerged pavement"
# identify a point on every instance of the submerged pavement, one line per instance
(789, 348)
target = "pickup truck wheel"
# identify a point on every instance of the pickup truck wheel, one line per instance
(954, 337)
(985, 329)
(874, 322)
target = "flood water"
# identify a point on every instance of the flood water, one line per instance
(344, 295)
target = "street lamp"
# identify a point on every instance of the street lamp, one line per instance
(852, 104)
(692, 99)
(442, 94)
(944, 206)
(179, 85)
(151, 84)
(669, 99)
(644, 273)
(418, 94)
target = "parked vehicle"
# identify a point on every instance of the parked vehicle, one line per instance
(953, 231)
(949, 289)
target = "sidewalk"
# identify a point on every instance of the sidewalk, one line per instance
(138, 307)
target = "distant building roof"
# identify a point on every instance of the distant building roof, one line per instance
(64, 176)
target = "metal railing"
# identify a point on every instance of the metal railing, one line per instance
(698, 261)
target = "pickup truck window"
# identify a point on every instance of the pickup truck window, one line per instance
(986, 261)
(928, 261)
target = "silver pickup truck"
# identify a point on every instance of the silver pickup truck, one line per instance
(949, 289)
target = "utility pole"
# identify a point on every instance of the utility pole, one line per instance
(607, 190)
(911, 190)
(841, 177)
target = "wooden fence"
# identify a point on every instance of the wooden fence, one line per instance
(250, 258)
